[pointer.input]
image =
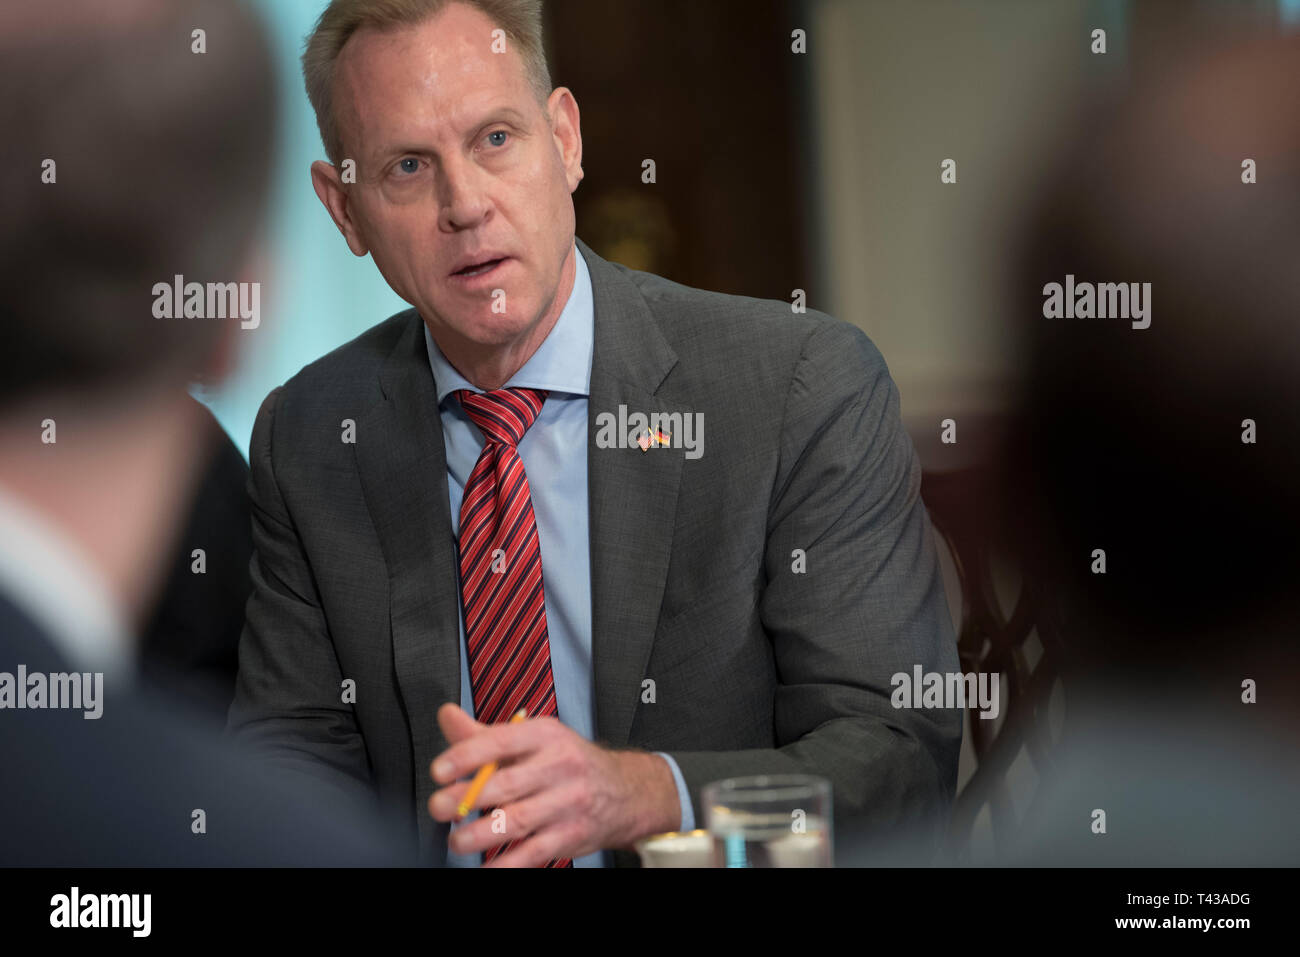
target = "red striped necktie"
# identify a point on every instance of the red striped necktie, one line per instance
(501, 570)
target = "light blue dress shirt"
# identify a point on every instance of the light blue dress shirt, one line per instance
(554, 453)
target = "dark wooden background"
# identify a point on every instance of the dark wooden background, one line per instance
(710, 90)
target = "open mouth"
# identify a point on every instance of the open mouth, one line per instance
(479, 269)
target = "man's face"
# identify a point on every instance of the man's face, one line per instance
(456, 164)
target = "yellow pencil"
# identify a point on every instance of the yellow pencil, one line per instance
(485, 772)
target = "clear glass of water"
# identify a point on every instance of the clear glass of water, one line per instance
(781, 820)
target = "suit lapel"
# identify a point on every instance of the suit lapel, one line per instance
(632, 497)
(401, 459)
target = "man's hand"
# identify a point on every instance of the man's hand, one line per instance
(567, 796)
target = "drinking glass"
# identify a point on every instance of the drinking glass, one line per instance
(780, 820)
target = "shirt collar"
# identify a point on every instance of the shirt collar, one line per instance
(562, 363)
(47, 574)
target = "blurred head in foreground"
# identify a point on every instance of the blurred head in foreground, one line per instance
(1173, 449)
(130, 158)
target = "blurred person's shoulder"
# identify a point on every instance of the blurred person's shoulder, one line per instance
(258, 813)
(151, 781)
(1142, 784)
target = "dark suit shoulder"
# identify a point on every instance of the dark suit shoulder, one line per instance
(342, 384)
(708, 328)
(351, 370)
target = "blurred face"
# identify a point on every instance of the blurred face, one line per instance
(463, 183)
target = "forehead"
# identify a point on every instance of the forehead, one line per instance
(429, 77)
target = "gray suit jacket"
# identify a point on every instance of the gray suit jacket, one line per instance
(758, 667)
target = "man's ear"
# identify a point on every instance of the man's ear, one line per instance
(567, 132)
(334, 196)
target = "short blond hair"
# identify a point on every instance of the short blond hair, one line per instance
(520, 19)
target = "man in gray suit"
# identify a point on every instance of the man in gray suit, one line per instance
(469, 509)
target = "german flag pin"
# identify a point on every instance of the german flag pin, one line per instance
(648, 439)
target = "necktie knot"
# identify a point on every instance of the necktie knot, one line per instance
(503, 415)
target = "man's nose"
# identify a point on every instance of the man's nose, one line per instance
(462, 201)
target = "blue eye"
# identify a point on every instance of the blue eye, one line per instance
(409, 165)
(500, 133)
